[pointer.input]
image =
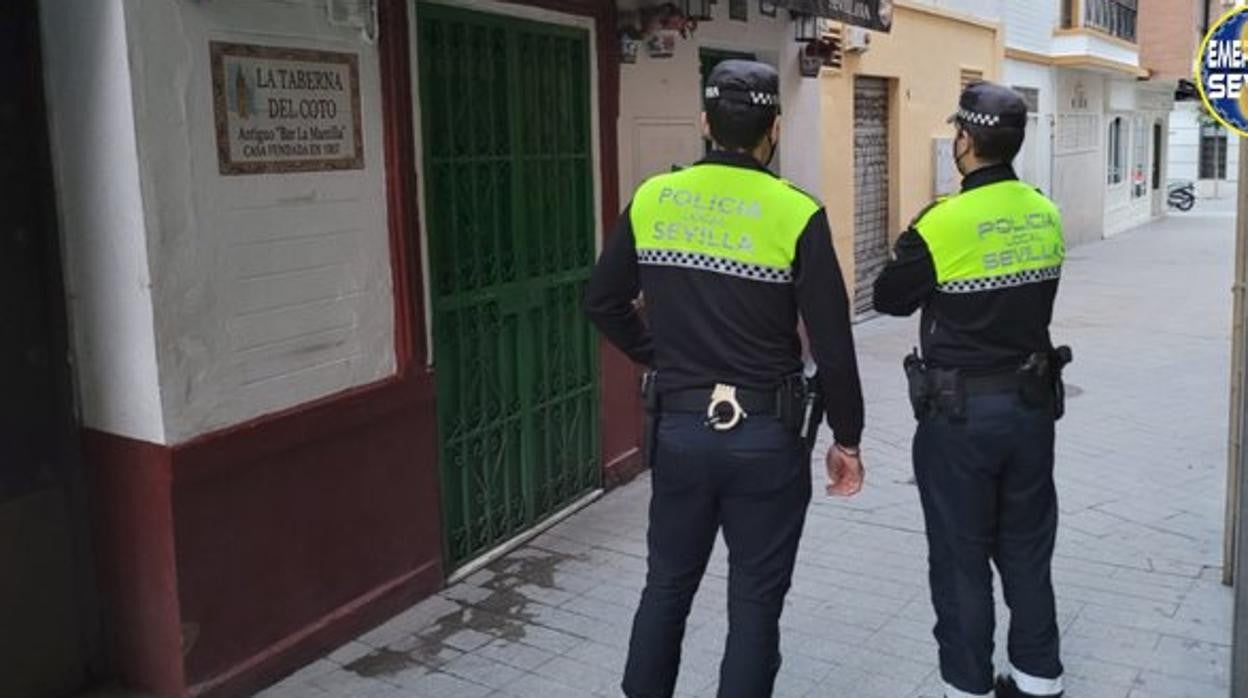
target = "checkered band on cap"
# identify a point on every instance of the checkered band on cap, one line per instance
(994, 283)
(978, 119)
(758, 99)
(718, 265)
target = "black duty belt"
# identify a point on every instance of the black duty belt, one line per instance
(1003, 382)
(760, 402)
(1038, 381)
(796, 402)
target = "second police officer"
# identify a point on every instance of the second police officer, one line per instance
(726, 255)
(983, 265)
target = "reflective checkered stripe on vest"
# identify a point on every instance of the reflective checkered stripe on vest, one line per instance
(721, 219)
(998, 236)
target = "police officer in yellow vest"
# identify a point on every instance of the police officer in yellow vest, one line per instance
(727, 255)
(983, 265)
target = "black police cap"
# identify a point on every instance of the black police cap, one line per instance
(744, 82)
(989, 105)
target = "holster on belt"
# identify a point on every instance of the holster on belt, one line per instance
(944, 390)
(1042, 383)
(802, 409)
(948, 388)
(916, 379)
(935, 390)
(650, 424)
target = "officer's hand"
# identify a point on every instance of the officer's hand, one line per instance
(845, 472)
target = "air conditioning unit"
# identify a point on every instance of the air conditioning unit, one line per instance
(857, 39)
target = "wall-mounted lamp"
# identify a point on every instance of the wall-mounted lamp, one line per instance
(805, 28)
(697, 10)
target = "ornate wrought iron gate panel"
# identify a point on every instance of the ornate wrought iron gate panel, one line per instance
(871, 179)
(505, 108)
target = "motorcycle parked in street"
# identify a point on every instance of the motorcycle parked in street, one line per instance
(1181, 195)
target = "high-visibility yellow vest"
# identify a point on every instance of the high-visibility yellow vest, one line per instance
(720, 218)
(996, 236)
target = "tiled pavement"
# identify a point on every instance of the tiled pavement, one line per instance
(1141, 475)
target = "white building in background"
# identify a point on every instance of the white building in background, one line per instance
(1202, 151)
(1096, 137)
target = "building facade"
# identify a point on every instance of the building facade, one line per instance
(322, 270)
(1100, 123)
(863, 135)
(887, 149)
(1201, 150)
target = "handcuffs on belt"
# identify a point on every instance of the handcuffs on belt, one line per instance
(724, 395)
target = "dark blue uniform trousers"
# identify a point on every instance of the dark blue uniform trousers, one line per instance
(755, 483)
(986, 484)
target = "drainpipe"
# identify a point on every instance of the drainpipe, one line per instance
(1237, 518)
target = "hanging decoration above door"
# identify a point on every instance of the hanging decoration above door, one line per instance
(659, 26)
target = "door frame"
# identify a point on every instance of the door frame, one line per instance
(893, 161)
(1157, 174)
(71, 476)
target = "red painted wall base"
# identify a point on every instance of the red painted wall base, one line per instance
(130, 493)
(233, 559)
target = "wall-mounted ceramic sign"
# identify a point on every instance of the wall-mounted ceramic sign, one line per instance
(286, 110)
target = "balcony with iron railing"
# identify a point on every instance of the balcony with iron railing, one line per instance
(1100, 34)
(1116, 18)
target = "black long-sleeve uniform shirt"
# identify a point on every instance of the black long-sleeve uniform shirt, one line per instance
(982, 331)
(704, 328)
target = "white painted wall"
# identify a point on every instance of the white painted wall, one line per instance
(1184, 153)
(1141, 105)
(661, 102)
(1091, 45)
(1029, 24)
(1185, 142)
(1035, 163)
(1079, 175)
(269, 290)
(107, 278)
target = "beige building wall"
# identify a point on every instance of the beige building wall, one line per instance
(924, 58)
(661, 101)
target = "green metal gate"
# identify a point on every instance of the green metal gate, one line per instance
(505, 109)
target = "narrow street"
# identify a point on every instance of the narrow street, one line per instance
(1141, 474)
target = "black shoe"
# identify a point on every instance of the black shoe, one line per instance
(1006, 688)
